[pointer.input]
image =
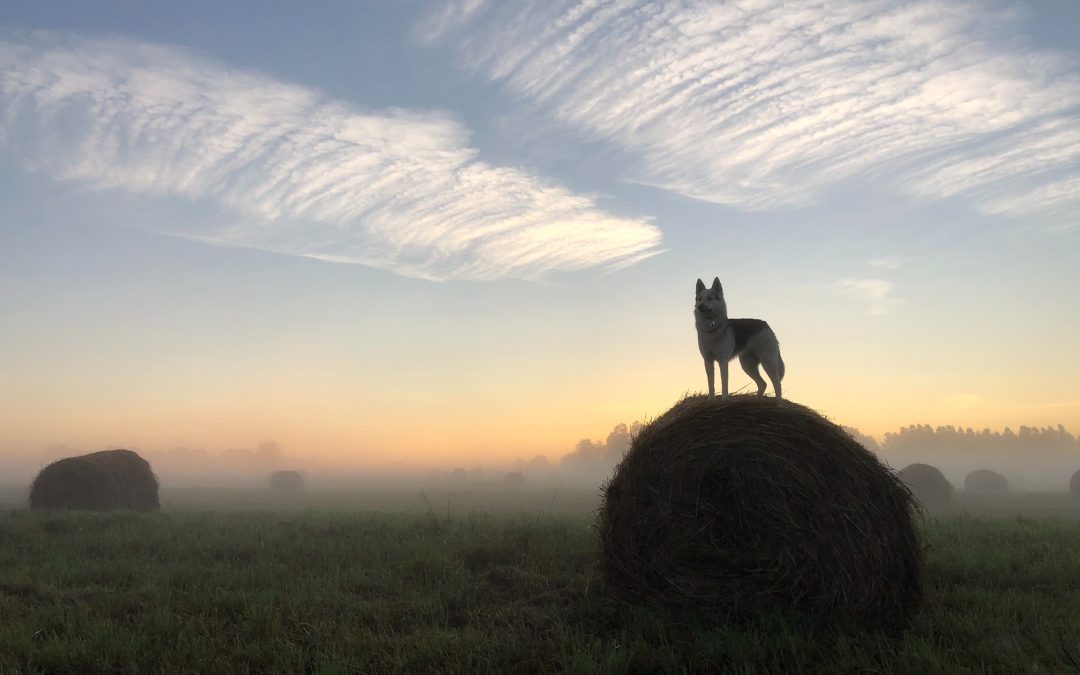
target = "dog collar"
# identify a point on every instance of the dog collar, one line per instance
(711, 326)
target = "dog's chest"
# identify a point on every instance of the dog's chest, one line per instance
(716, 341)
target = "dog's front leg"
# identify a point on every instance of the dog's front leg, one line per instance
(709, 374)
(723, 378)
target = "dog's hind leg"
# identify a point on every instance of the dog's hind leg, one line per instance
(774, 368)
(749, 363)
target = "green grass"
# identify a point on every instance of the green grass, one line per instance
(297, 590)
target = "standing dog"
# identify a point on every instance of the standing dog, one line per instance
(721, 339)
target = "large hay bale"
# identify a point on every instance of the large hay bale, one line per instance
(286, 481)
(746, 503)
(100, 481)
(987, 482)
(1074, 483)
(927, 483)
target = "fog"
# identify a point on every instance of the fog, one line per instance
(1031, 458)
(249, 468)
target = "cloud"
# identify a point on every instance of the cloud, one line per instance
(294, 171)
(888, 263)
(876, 294)
(767, 104)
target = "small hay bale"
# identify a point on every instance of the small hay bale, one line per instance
(1074, 483)
(100, 481)
(987, 482)
(927, 483)
(748, 503)
(286, 481)
(514, 479)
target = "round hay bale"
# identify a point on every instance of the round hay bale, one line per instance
(987, 482)
(100, 481)
(1074, 483)
(927, 483)
(286, 481)
(514, 479)
(747, 503)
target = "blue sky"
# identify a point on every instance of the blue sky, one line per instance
(456, 211)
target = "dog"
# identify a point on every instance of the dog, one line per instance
(721, 339)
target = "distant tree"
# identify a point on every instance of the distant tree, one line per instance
(514, 479)
(187, 454)
(268, 451)
(237, 454)
(867, 442)
(587, 450)
(618, 442)
(593, 455)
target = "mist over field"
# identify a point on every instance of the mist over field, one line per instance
(1031, 458)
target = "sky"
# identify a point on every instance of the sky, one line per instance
(454, 233)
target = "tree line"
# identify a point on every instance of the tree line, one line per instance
(1026, 439)
(590, 454)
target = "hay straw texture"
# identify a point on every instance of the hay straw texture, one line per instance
(286, 481)
(987, 482)
(100, 481)
(749, 502)
(927, 483)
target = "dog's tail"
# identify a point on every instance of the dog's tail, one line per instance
(781, 360)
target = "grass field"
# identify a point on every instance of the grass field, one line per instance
(489, 582)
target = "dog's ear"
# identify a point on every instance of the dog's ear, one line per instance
(700, 286)
(716, 288)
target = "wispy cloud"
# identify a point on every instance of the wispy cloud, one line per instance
(876, 294)
(296, 172)
(888, 263)
(766, 104)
